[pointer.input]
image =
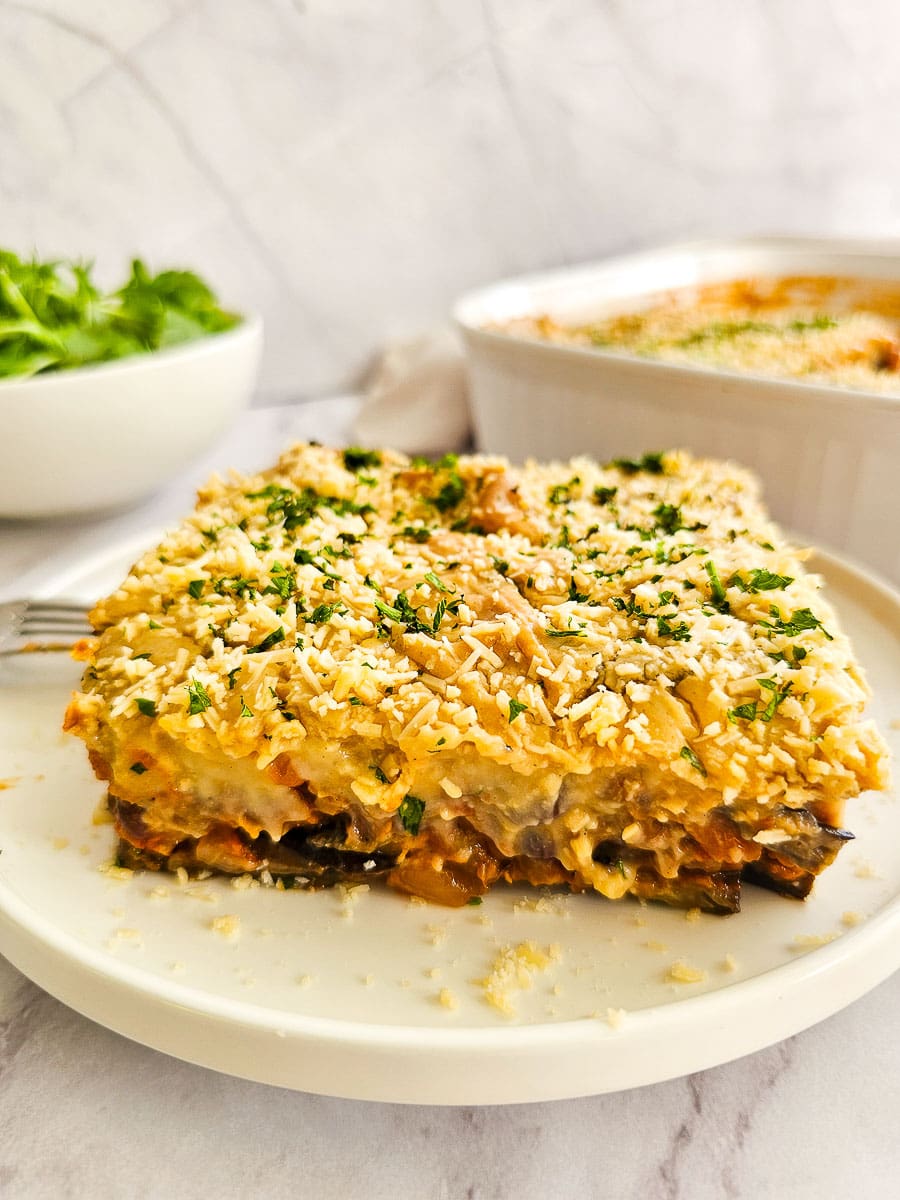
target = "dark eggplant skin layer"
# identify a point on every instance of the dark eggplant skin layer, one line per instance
(318, 856)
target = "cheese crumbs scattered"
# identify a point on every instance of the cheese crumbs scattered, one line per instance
(227, 926)
(513, 970)
(682, 972)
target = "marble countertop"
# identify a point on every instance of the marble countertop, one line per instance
(86, 1113)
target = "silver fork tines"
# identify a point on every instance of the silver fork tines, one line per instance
(22, 622)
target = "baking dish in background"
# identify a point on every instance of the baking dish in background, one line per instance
(828, 456)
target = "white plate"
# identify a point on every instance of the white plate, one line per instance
(343, 996)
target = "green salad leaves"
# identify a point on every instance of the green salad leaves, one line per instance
(54, 317)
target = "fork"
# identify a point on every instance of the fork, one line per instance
(41, 625)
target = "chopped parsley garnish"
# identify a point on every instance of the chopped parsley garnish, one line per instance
(678, 633)
(151, 624)
(452, 491)
(749, 712)
(603, 495)
(298, 508)
(410, 813)
(417, 533)
(798, 622)
(146, 707)
(431, 578)
(245, 711)
(794, 655)
(195, 588)
(232, 677)
(356, 459)
(576, 596)
(565, 633)
(501, 566)
(516, 708)
(669, 520)
(779, 695)
(138, 768)
(760, 580)
(651, 463)
(270, 640)
(561, 493)
(198, 698)
(716, 589)
(474, 901)
(323, 613)
(378, 773)
(403, 613)
(282, 582)
(746, 712)
(355, 701)
(688, 754)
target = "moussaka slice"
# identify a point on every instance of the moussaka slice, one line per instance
(451, 673)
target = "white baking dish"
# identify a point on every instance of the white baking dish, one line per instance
(829, 457)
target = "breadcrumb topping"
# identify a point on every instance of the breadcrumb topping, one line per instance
(584, 663)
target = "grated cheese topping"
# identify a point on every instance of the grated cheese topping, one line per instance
(567, 648)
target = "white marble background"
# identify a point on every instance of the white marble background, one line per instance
(347, 167)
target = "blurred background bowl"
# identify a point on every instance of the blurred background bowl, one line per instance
(828, 456)
(105, 436)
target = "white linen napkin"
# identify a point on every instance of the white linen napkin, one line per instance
(416, 398)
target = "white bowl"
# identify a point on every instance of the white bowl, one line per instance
(104, 436)
(829, 457)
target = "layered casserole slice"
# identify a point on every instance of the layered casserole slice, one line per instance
(448, 674)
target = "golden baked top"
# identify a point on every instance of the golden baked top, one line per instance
(459, 628)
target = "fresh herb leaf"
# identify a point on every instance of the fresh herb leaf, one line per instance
(198, 698)
(323, 613)
(668, 518)
(779, 695)
(688, 754)
(603, 495)
(760, 580)
(501, 566)
(516, 708)
(716, 589)
(798, 622)
(245, 711)
(416, 533)
(561, 493)
(746, 712)
(678, 633)
(651, 463)
(146, 707)
(356, 459)
(435, 582)
(195, 588)
(410, 813)
(378, 773)
(270, 640)
(403, 613)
